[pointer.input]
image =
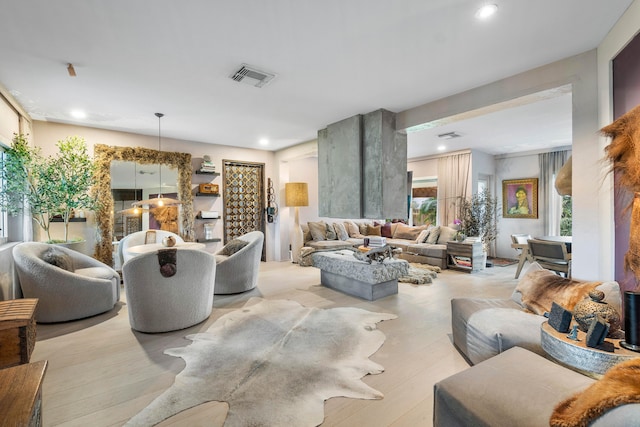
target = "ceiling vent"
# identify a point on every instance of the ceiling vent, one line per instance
(252, 76)
(449, 135)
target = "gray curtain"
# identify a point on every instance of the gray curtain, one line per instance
(550, 163)
(453, 184)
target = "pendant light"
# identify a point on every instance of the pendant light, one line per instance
(160, 200)
(135, 210)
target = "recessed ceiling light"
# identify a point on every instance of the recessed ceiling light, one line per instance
(78, 114)
(264, 141)
(441, 147)
(486, 11)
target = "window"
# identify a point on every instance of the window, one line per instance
(565, 217)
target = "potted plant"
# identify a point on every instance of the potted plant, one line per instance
(478, 217)
(47, 187)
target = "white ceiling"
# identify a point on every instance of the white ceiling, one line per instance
(333, 59)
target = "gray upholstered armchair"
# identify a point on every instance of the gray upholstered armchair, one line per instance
(157, 303)
(69, 285)
(237, 271)
(141, 238)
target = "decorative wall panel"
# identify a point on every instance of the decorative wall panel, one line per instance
(243, 194)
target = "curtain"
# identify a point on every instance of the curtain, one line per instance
(550, 164)
(453, 182)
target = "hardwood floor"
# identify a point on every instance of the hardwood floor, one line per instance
(101, 373)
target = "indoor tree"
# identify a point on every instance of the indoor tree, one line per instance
(478, 217)
(46, 187)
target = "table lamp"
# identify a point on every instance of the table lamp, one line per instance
(296, 195)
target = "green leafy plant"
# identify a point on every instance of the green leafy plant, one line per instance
(47, 187)
(478, 217)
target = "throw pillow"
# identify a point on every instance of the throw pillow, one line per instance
(385, 230)
(318, 230)
(406, 232)
(331, 233)
(447, 234)
(233, 246)
(341, 231)
(56, 257)
(362, 226)
(306, 234)
(352, 229)
(434, 233)
(373, 230)
(422, 237)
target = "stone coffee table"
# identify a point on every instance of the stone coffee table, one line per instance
(341, 271)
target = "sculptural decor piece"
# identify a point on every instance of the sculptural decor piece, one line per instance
(585, 311)
(104, 154)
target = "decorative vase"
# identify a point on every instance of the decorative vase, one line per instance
(586, 310)
(169, 241)
(631, 321)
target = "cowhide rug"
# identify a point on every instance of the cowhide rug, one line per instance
(274, 362)
(420, 274)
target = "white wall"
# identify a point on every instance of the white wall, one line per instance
(516, 167)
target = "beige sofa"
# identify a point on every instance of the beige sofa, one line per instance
(423, 244)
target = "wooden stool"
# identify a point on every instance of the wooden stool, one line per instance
(17, 331)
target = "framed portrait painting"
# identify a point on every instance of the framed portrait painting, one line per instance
(520, 198)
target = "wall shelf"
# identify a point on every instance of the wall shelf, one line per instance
(198, 194)
(208, 240)
(206, 219)
(71, 220)
(199, 172)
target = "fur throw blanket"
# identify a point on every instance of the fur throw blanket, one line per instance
(619, 386)
(541, 288)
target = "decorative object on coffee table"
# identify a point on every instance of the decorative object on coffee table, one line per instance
(588, 309)
(560, 318)
(631, 321)
(296, 195)
(597, 332)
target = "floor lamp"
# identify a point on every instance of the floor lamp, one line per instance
(296, 195)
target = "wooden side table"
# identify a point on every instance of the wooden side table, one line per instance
(576, 355)
(17, 331)
(21, 394)
(465, 256)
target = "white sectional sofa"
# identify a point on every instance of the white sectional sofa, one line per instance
(423, 244)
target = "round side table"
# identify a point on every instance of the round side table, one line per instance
(575, 354)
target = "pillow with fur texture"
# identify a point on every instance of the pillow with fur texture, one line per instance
(539, 289)
(306, 234)
(233, 246)
(57, 258)
(318, 231)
